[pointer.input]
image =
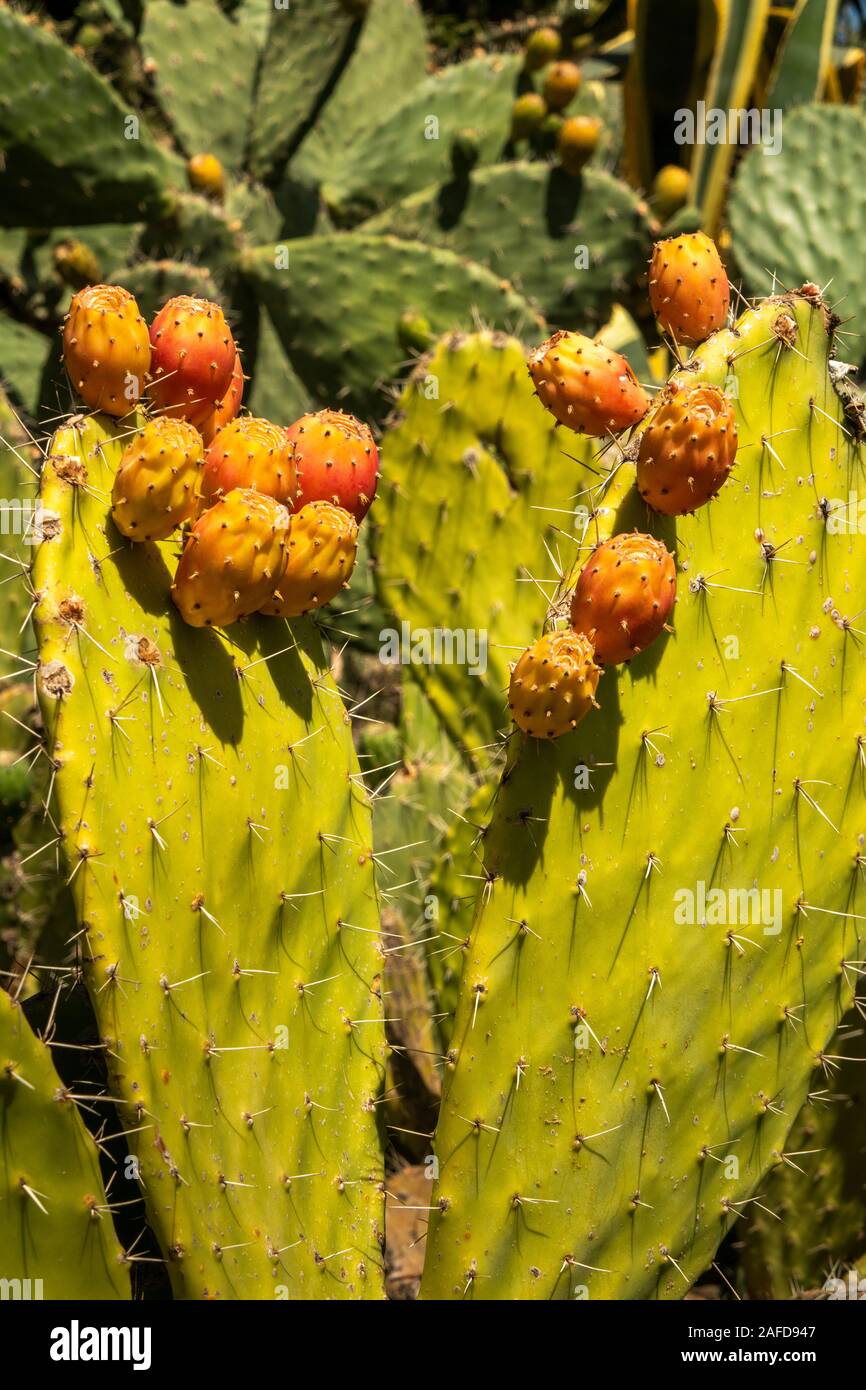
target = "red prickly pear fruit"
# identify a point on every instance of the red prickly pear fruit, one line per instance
(688, 287)
(527, 115)
(158, 484)
(577, 142)
(337, 461)
(542, 47)
(624, 595)
(205, 174)
(586, 386)
(553, 684)
(251, 453)
(228, 406)
(687, 449)
(233, 560)
(106, 348)
(192, 358)
(323, 544)
(561, 84)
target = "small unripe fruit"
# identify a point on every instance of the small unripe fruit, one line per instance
(76, 263)
(205, 174)
(561, 84)
(578, 141)
(542, 47)
(527, 115)
(670, 190)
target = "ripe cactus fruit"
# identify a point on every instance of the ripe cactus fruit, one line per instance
(192, 358)
(670, 190)
(585, 386)
(577, 142)
(158, 484)
(106, 348)
(688, 287)
(527, 115)
(624, 595)
(561, 84)
(228, 407)
(553, 684)
(687, 449)
(205, 174)
(323, 544)
(251, 453)
(337, 461)
(542, 47)
(233, 559)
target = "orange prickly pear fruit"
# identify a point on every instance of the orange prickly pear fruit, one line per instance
(337, 461)
(157, 486)
(687, 450)
(323, 544)
(688, 287)
(233, 560)
(624, 595)
(192, 358)
(228, 407)
(585, 386)
(553, 684)
(251, 453)
(106, 348)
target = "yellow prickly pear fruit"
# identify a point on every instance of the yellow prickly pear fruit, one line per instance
(323, 544)
(553, 684)
(233, 560)
(670, 190)
(157, 486)
(106, 348)
(76, 263)
(542, 47)
(578, 141)
(205, 174)
(561, 84)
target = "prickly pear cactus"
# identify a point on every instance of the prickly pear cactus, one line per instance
(56, 1232)
(668, 932)
(220, 851)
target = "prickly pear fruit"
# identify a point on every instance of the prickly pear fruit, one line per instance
(106, 348)
(624, 595)
(527, 115)
(158, 484)
(251, 453)
(337, 461)
(578, 139)
(688, 287)
(687, 449)
(561, 84)
(205, 174)
(228, 406)
(553, 684)
(586, 386)
(542, 47)
(192, 358)
(76, 263)
(670, 190)
(233, 560)
(323, 543)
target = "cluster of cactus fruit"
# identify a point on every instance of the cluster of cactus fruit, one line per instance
(625, 594)
(272, 512)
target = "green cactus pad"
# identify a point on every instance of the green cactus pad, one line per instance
(24, 355)
(628, 1056)
(219, 850)
(204, 69)
(337, 306)
(500, 458)
(153, 282)
(56, 1229)
(573, 246)
(411, 149)
(73, 152)
(800, 214)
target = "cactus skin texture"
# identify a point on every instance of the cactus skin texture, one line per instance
(62, 1234)
(553, 684)
(604, 1053)
(251, 453)
(106, 348)
(323, 543)
(158, 483)
(586, 386)
(207, 846)
(688, 287)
